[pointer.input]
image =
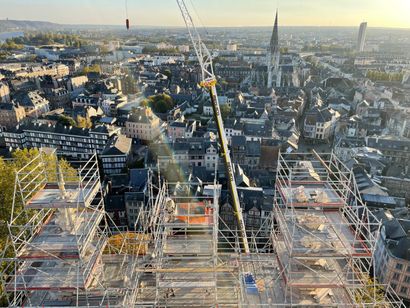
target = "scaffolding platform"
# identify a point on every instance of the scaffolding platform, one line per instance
(52, 276)
(310, 194)
(323, 234)
(314, 249)
(60, 238)
(313, 233)
(52, 242)
(49, 197)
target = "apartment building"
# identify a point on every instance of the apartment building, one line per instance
(11, 115)
(68, 140)
(143, 124)
(320, 124)
(116, 154)
(392, 254)
(187, 153)
(34, 104)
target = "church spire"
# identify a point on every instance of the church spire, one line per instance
(273, 57)
(274, 41)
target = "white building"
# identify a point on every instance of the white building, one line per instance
(232, 47)
(320, 124)
(183, 48)
(143, 124)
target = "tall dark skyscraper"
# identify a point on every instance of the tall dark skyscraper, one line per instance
(273, 56)
(362, 36)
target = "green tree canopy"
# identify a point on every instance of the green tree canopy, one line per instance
(225, 111)
(8, 170)
(47, 38)
(66, 120)
(161, 103)
(384, 76)
(11, 45)
(83, 122)
(129, 85)
(95, 68)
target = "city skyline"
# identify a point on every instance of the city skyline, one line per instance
(227, 13)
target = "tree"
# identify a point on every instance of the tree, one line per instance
(384, 76)
(161, 103)
(371, 293)
(168, 73)
(92, 69)
(129, 85)
(104, 50)
(11, 45)
(7, 179)
(84, 122)
(46, 39)
(66, 120)
(225, 111)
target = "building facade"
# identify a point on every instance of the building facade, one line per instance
(116, 155)
(4, 93)
(69, 141)
(362, 37)
(11, 115)
(320, 124)
(143, 124)
(392, 256)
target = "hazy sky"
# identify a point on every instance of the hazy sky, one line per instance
(378, 13)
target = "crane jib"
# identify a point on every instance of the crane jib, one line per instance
(209, 82)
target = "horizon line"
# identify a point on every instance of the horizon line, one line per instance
(211, 26)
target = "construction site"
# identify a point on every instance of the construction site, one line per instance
(314, 250)
(315, 247)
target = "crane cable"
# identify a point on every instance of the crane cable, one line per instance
(199, 17)
(126, 9)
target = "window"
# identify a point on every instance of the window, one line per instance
(396, 276)
(399, 266)
(403, 290)
(407, 279)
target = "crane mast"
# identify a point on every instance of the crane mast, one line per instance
(209, 82)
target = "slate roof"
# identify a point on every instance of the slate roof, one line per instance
(253, 148)
(30, 99)
(7, 106)
(378, 200)
(238, 141)
(114, 203)
(260, 130)
(250, 196)
(389, 143)
(138, 178)
(121, 145)
(57, 129)
(142, 115)
(396, 229)
(178, 124)
(316, 115)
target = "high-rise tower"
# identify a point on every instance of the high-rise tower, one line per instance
(362, 37)
(273, 56)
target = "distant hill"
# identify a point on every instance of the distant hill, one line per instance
(26, 25)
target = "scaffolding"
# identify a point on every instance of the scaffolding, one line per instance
(314, 249)
(59, 234)
(323, 239)
(184, 268)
